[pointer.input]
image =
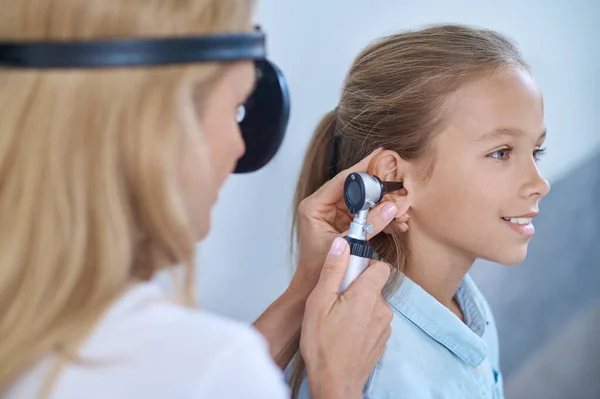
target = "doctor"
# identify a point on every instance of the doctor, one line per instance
(120, 121)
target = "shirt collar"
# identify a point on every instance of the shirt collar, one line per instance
(437, 321)
(475, 317)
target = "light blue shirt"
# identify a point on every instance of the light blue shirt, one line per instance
(432, 354)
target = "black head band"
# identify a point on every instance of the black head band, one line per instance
(132, 52)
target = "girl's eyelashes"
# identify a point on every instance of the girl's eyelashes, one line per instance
(538, 153)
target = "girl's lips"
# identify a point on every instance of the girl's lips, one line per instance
(526, 229)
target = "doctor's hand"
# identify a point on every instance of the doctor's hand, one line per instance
(323, 216)
(343, 337)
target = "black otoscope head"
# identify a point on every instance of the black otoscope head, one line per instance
(363, 191)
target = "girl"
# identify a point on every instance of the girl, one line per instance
(108, 176)
(461, 121)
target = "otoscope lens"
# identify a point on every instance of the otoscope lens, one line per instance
(354, 193)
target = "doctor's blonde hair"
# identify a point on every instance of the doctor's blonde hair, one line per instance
(89, 200)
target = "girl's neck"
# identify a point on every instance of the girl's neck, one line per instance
(437, 269)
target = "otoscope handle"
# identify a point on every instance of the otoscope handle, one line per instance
(355, 268)
(360, 255)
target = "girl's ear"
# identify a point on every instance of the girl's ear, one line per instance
(389, 166)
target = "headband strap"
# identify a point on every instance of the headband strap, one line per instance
(132, 52)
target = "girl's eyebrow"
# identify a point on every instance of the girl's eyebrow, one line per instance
(507, 132)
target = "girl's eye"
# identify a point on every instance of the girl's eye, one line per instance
(537, 154)
(240, 113)
(501, 154)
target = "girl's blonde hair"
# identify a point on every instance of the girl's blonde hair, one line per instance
(89, 200)
(394, 97)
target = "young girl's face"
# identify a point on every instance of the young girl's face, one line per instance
(485, 187)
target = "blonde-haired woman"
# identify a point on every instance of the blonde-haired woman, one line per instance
(111, 158)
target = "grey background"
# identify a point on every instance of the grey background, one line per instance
(548, 308)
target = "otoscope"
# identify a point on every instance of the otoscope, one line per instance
(362, 192)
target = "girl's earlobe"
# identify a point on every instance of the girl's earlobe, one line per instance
(402, 222)
(403, 201)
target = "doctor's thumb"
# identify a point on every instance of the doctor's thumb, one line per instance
(333, 272)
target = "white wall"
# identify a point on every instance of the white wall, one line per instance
(244, 263)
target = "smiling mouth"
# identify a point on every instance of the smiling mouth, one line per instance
(522, 224)
(521, 221)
